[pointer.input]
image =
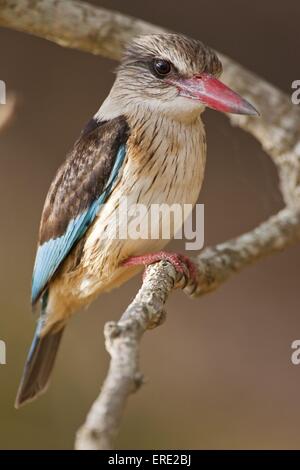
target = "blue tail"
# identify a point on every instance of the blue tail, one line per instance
(39, 363)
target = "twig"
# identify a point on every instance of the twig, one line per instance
(99, 31)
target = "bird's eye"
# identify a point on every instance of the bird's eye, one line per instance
(161, 67)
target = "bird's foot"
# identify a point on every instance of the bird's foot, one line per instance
(181, 263)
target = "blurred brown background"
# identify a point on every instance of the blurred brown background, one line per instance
(219, 369)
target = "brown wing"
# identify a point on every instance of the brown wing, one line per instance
(79, 186)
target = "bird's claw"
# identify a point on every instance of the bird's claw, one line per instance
(182, 264)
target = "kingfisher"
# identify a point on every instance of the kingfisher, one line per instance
(146, 143)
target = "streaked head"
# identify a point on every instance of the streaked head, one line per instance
(175, 75)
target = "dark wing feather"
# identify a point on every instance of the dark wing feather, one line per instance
(81, 185)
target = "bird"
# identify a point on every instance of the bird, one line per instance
(146, 143)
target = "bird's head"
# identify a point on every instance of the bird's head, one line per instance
(175, 75)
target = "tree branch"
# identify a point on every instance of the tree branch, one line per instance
(78, 25)
(74, 24)
(216, 264)
(122, 342)
(122, 338)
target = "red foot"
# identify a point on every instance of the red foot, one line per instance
(181, 263)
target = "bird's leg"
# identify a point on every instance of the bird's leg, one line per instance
(181, 263)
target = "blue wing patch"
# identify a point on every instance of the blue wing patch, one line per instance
(52, 253)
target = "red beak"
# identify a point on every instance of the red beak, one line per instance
(214, 94)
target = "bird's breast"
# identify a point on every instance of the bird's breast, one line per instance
(164, 165)
(166, 161)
